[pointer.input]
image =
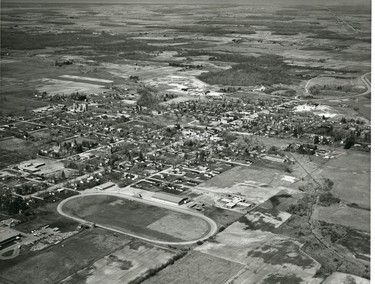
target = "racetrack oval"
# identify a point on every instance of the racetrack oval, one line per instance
(144, 219)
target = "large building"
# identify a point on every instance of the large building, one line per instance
(7, 236)
(169, 198)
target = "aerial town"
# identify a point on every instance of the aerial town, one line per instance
(185, 144)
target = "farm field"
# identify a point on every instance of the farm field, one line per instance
(144, 220)
(55, 263)
(343, 215)
(197, 267)
(265, 220)
(54, 87)
(125, 265)
(351, 176)
(339, 277)
(265, 255)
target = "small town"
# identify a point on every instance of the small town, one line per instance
(191, 144)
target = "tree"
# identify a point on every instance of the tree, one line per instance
(147, 98)
(349, 142)
(202, 155)
(316, 140)
(140, 156)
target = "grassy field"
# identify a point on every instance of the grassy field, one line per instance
(137, 218)
(221, 216)
(341, 214)
(60, 261)
(10, 157)
(358, 243)
(263, 253)
(123, 265)
(265, 219)
(197, 268)
(339, 277)
(351, 176)
(254, 183)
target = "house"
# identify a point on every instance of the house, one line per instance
(169, 198)
(9, 222)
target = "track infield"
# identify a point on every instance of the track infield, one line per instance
(138, 218)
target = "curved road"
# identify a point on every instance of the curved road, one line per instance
(364, 80)
(211, 223)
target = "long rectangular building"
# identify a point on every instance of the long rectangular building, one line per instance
(170, 198)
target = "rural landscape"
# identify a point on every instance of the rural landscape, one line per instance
(187, 143)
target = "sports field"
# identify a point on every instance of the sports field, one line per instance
(137, 218)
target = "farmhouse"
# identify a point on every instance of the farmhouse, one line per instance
(169, 198)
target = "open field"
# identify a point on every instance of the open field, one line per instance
(264, 254)
(339, 277)
(265, 220)
(54, 87)
(10, 157)
(122, 266)
(14, 144)
(357, 243)
(221, 216)
(60, 261)
(351, 176)
(196, 268)
(133, 217)
(256, 184)
(343, 215)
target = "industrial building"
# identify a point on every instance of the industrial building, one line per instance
(8, 236)
(169, 198)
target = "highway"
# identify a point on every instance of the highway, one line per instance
(211, 223)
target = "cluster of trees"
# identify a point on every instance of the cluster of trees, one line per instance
(152, 271)
(78, 96)
(147, 97)
(265, 70)
(28, 188)
(12, 205)
(77, 147)
(316, 90)
(327, 198)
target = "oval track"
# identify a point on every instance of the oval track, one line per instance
(211, 223)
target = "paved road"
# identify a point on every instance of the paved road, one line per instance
(212, 224)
